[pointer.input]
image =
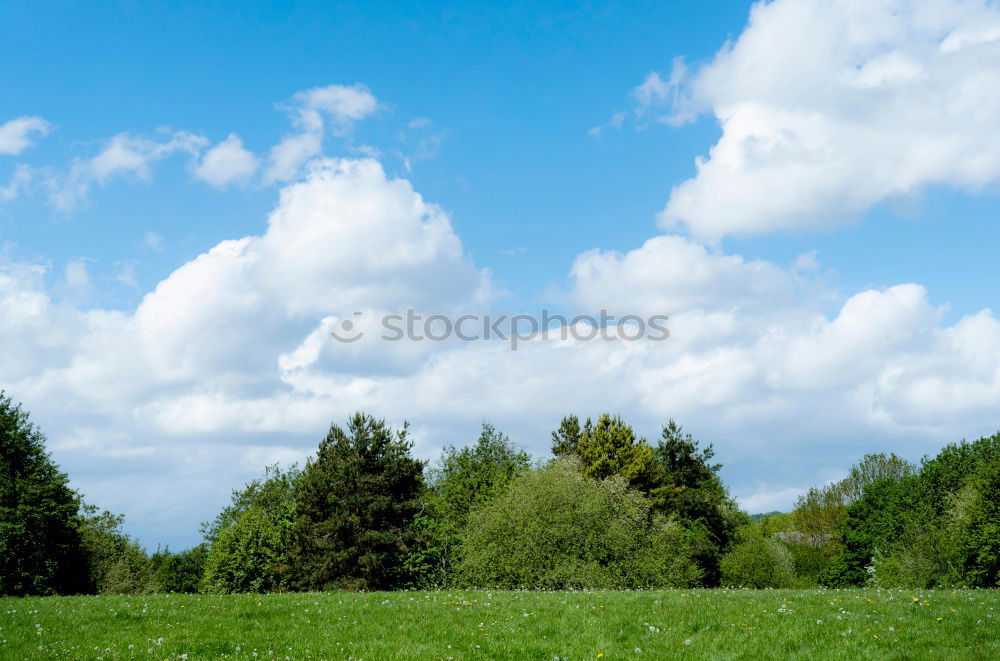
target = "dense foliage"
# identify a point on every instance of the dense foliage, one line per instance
(40, 549)
(248, 541)
(117, 563)
(676, 475)
(898, 525)
(758, 561)
(463, 479)
(557, 528)
(611, 510)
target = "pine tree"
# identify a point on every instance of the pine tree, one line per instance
(354, 507)
(682, 469)
(566, 439)
(40, 551)
(609, 447)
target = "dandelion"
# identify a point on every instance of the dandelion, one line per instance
(940, 619)
(687, 642)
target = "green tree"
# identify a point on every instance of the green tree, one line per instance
(556, 528)
(912, 528)
(117, 563)
(677, 475)
(355, 506)
(566, 439)
(469, 476)
(888, 511)
(178, 572)
(871, 468)
(980, 534)
(947, 472)
(464, 478)
(959, 546)
(40, 551)
(248, 542)
(820, 514)
(609, 447)
(684, 483)
(758, 560)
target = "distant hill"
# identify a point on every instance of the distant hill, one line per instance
(758, 517)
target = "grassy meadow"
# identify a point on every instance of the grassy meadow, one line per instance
(720, 623)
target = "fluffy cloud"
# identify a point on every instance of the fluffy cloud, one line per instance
(827, 108)
(334, 108)
(123, 156)
(227, 162)
(671, 274)
(228, 363)
(224, 353)
(16, 135)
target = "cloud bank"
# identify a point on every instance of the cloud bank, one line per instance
(228, 364)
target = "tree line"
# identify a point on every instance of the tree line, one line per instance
(609, 509)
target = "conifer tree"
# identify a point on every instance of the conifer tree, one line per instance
(566, 439)
(354, 506)
(609, 447)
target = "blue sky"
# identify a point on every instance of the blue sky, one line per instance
(844, 215)
(511, 92)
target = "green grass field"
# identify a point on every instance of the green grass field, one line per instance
(797, 624)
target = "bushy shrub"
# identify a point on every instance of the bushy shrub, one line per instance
(556, 528)
(248, 541)
(758, 561)
(248, 554)
(117, 563)
(463, 479)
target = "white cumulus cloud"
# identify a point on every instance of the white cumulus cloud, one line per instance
(229, 360)
(828, 107)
